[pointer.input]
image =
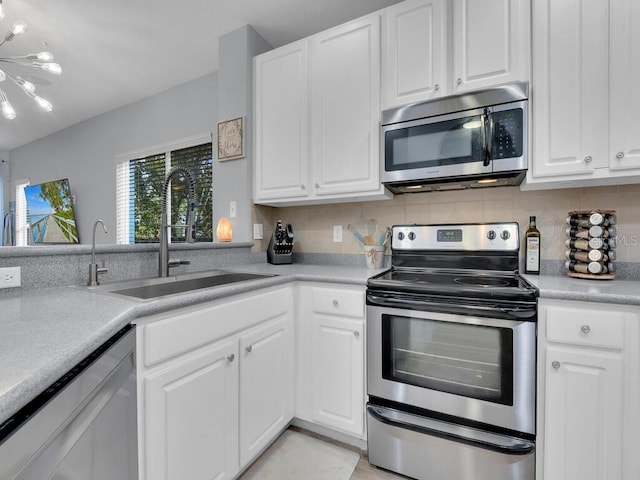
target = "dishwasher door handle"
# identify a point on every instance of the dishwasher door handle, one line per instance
(457, 433)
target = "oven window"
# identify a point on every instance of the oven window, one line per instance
(470, 360)
(436, 144)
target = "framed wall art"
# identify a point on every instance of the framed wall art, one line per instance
(231, 139)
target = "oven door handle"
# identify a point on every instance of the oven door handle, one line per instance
(457, 433)
(527, 312)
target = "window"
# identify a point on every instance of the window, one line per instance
(140, 180)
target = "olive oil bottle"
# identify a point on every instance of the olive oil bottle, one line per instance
(532, 248)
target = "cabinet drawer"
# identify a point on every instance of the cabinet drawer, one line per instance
(333, 301)
(599, 328)
(174, 333)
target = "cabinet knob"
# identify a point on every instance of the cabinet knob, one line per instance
(231, 357)
(555, 364)
(335, 302)
(303, 187)
(620, 155)
(585, 329)
(458, 81)
(317, 186)
(248, 348)
(588, 159)
(356, 333)
(436, 87)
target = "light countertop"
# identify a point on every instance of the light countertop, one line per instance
(625, 292)
(45, 332)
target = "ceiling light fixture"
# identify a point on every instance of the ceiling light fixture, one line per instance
(41, 60)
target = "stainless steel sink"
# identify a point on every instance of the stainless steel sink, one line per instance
(147, 288)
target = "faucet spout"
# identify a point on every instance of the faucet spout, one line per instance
(94, 270)
(163, 258)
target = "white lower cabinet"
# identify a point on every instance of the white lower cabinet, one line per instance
(588, 393)
(266, 385)
(190, 416)
(330, 357)
(215, 385)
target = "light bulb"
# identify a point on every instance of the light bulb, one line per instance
(18, 28)
(54, 68)
(26, 85)
(41, 56)
(43, 104)
(7, 110)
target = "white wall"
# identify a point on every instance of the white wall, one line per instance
(85, 153)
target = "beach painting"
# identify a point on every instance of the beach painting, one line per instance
(51, 215)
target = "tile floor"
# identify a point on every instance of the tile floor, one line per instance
(363, 470)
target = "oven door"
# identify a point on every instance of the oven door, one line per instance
(475, 368)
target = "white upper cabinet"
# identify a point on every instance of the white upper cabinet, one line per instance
(345, 107)
(434, 48)
(584, 101)
(625, 94)
(282, 122)
(570, 101)
(490, 42)
(414, 55)
(317, 113)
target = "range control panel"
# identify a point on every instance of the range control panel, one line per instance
(497, 237)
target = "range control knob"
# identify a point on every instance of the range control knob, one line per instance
(412, 236)
(505, 235)
(491, 234)
(400, 236)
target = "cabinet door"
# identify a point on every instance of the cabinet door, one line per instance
(338, 373)
(583, 415)
(414, 52)
(191, 414)
(345, 108)
(570, 79)
(282, 123)
(490, 42)
(625, 94)
(266, 385)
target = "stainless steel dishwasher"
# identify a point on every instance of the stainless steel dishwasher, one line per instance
(83, 427)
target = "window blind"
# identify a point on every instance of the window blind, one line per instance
(139, 183)
(22, 216)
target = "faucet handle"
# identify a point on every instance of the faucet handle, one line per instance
(102, 269)
(175, 262)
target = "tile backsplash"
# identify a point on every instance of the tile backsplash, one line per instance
(314, 224)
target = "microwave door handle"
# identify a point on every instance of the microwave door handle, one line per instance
(487, 126)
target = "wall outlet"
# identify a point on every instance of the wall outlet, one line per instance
(9, 277)
(337, 233)
(258, 231)
(233, 209)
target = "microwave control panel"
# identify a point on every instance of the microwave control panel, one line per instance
(507, 133)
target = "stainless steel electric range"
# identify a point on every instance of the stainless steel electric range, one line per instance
(451, 355)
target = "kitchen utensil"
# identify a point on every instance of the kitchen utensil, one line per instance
(356, 234)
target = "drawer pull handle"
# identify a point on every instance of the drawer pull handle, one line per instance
(585, 329)
(231, 357)
(248, 349)
(555, 364)
(356, 333)
(335, 303)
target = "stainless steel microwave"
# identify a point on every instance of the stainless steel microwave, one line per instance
(475, 139)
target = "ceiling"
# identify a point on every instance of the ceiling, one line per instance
(119, 51)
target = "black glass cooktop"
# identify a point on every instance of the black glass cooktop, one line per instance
(450, 282)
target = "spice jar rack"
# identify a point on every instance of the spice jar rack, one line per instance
(591, 243)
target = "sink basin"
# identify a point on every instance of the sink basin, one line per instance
(147, 288)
